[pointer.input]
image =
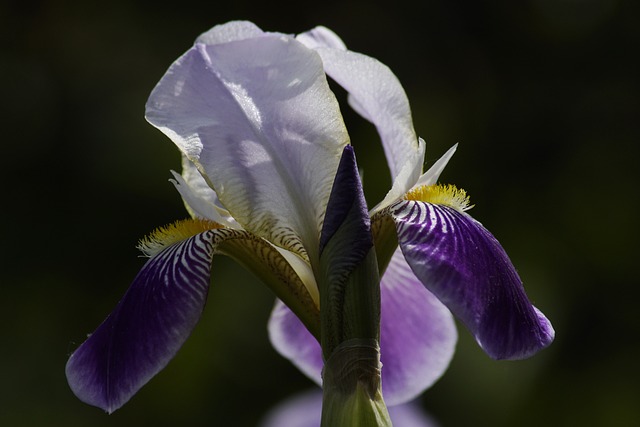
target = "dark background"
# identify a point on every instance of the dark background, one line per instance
(542, 96)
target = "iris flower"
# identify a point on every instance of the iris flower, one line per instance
(262, 137)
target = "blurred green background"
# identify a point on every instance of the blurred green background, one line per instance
(542, 96)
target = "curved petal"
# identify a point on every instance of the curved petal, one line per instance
(458, 260)
(147, 327)
(199, 198)
(294, 342)
(431, 176)
(230, 31)
(257, 117)
(305, 409)
(374, 92)
(405, 180)
(417, 336)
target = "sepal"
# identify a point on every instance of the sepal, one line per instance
(460, 262)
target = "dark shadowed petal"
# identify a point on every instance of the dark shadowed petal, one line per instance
(304, 409)
(148, 326)
(458, 260)
(417, 336)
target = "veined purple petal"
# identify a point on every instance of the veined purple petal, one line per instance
(147, 327)
(304, 410)
(458, 260)
(258, 118)
(374, 92)
(417, 336)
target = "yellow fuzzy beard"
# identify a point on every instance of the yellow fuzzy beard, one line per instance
(163, 237)
(438, 194)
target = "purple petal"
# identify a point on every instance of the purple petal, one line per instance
(304, 410)
(417, 336)
(147, 327)
(458, 260)
(294, 342)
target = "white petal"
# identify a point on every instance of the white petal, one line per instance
(321, 37)
(258, 118)
(431, 176)
(231, 31)
(375, 93)
(405, 180)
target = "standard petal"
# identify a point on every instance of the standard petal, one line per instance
(404, 181)
(417, 336)
(374, 92)
(258, 118)
(146, 329)
(458, 260)
(230, 31)
(304, 410)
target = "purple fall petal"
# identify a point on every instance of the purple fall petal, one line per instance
(458, 260)
(417, 336)
(147, 327)
(304, 409)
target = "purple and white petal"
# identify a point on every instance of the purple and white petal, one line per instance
(374, 92)
(417, 336)
(305, 409)
(258, 118)
(458, 260)
(147, 327)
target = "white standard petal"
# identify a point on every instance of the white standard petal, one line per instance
(258, 118)
(431, 176)
(374, 92)
(405, 180)
(231, 31)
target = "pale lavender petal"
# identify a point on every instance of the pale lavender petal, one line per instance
(230, 31)
(305, 409)
(147, 327)
(374, 92)
(458, 260)
(293, 341)
(417, 336)
(259, 120)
